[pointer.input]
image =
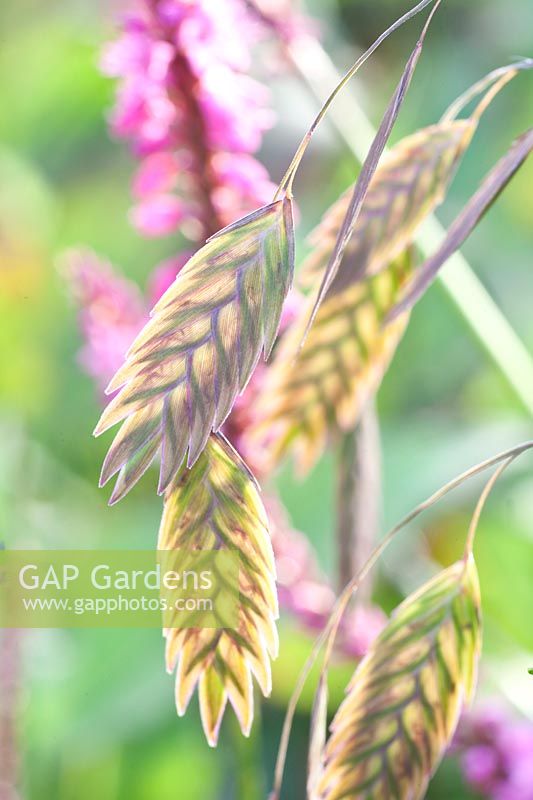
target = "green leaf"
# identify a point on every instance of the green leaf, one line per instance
(405, 698)
(186, 367)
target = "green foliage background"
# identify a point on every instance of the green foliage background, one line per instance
(97, 717)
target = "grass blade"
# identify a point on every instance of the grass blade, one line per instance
(368, 169)
(476, 208)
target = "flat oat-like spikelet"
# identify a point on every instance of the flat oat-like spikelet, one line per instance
(340, 366)
(404, 701)
(186, 367)
(215, 505)
(323, 387)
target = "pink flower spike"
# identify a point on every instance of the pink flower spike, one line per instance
(480, 765)
(129, 113)
(111, 311)
(157, 174)
(128, 54)
(360, 628)
(158, 216)
(185, 95)
(164, 276)
(172, 12)
(240, 170)
(160, 59)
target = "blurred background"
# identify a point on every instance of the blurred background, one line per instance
(90, 713)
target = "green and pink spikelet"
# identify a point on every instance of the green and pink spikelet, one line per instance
(405, 698)
(216, 505)
(198, 351)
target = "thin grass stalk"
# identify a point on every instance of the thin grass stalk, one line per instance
(494, 77)
(368, 169)
(474, 522)
(288, 178)
(358, 497)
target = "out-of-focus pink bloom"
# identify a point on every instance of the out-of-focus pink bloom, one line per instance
(481, 766)
(312, 603)
(305, 593)
(158, 215)
(242, 173)
(111, 312)
(164, 276)
(157, 173)
(187, 104)
(130, 54)
(496, 752)
(216, 31)
(360, 627)
(235, 119)
(111, 309)
(241, 180)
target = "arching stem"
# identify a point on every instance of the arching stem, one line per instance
(288, 178)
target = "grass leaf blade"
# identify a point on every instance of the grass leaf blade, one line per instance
(368, 169)
(317, 738)
(476, 208)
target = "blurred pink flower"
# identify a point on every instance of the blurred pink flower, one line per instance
(306, 594)
(111, 312)
(111, 309)
(164, 276)
(480, 765)
(158, 215)
(496, 751)
(360, 627)
(157, 173)
(191, 112)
